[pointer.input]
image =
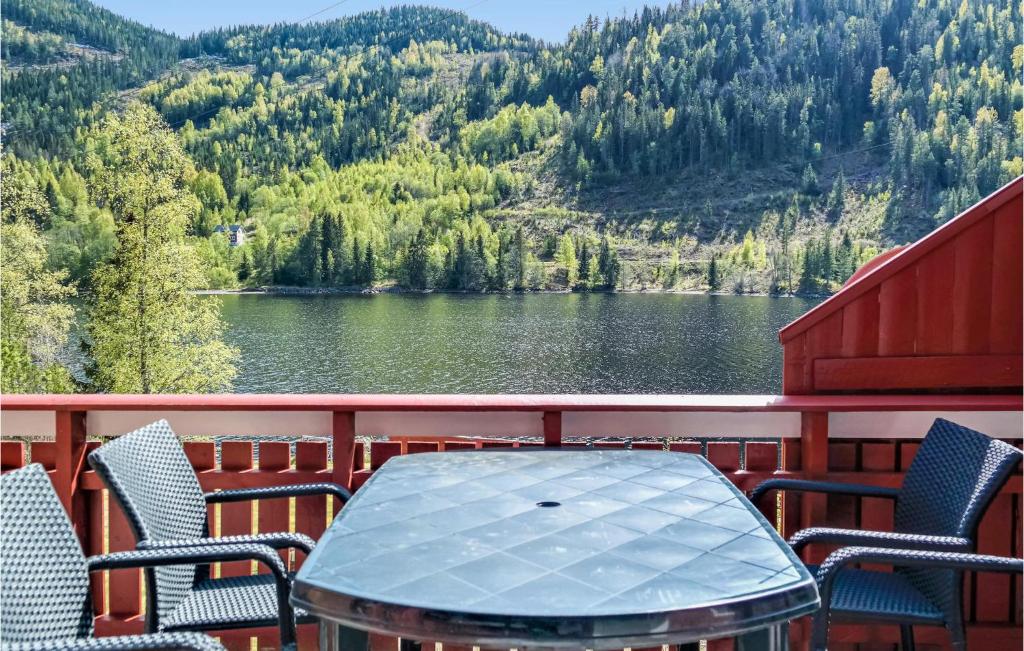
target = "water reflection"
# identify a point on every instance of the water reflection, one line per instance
(546, 343)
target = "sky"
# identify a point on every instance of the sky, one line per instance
(546, 19)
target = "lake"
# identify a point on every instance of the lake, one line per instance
(520, 343)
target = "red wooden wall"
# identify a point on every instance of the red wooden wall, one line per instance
(941, 315)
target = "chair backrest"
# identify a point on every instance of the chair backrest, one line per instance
(151, 479)
(955, 475)
(43, 573)
(953, 478)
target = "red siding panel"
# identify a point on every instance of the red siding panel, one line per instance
(724, 455)
(912, 373)
(897, 314)
(1005, 330)
(794, 360)
(935, 280)
(826, 341)
(236, 519)
(860, 326)
(310, 512)
(275, 456)
(12, 455)
(972, 291)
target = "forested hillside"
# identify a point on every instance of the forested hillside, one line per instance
(731, 145)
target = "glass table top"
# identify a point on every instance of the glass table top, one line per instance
(552, 548)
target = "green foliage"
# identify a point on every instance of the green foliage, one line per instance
(394, 28)
(809, 181)
(729, 82)
(149, 333)
(35, 317)
(608, 264)
(837, 196)
(566, 259)
(514, 130)
(24, 46)
(45, 107)
(416, 146)
(713, 279)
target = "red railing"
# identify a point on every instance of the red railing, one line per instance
(867, 439)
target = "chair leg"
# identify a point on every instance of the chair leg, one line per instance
(906, 637)
(819, 630)
(957, 636)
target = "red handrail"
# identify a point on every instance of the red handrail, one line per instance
(521, 402)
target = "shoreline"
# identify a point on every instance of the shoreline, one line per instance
(284, 290)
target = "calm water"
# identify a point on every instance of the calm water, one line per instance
(543, 343)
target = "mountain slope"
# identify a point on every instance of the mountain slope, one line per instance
(740, 145)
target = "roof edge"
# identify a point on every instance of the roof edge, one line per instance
(903, 259)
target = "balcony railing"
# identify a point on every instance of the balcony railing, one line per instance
(869, 439)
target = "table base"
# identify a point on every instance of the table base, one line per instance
(334, 637)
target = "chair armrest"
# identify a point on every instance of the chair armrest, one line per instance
(841, 558)
(828, 487)
(151, 642)
(847, 556)
(203, 556)
(195, 555)
(887, 539)
(278, 540)
(271, 492)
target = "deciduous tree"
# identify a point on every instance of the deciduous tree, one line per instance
(149, 331)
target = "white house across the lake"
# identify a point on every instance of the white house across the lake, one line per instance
(236, 234)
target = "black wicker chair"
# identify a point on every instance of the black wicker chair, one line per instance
(45, 577)
(954, 477)
(925, 606)
(151, 478)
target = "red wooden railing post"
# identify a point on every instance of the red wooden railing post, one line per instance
(70, 439)
(552, 429)
(814, 460)
(343, 427)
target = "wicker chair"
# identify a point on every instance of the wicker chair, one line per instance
(925, 607)
(954, 476)
(151, 479)
(45, 577)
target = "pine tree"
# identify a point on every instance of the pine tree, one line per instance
(245, 271)
(518, 262)
(714, 282)
(369, 274)
(811, 268)
(457, 274)
(809, 181)
(416, 262)
(844, 259)
(501, 267)
(608, 262)
(827, 260)
(837, 196)
(594, 278)
(357, 270)
(583, 272)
